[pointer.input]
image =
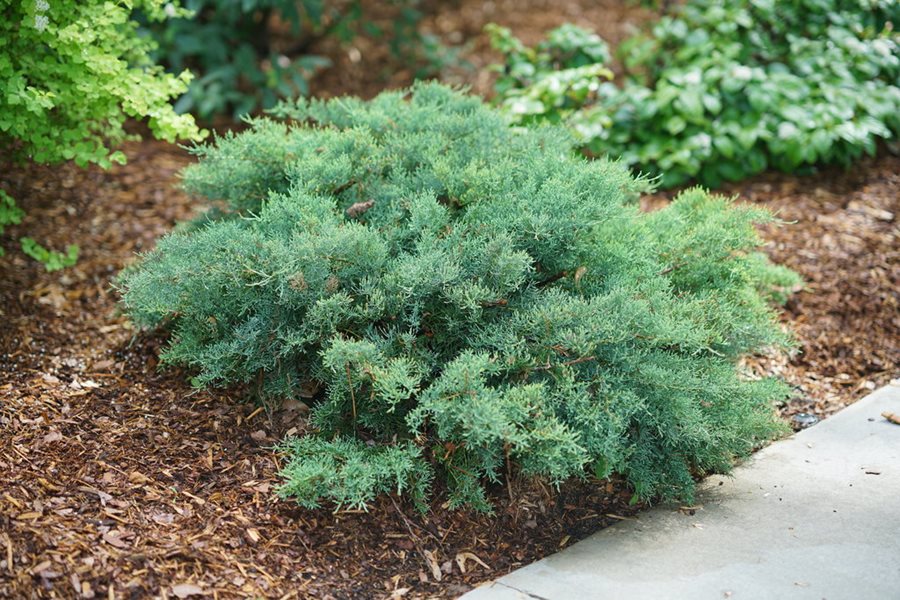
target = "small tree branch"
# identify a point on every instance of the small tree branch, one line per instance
(670, 268)
(556, 277)
(493, 303)
(576, 361)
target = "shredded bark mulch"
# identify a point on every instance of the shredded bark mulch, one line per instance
(365, 65)
(841, 233)
(118, 480)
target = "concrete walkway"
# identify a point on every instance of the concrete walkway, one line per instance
(810, 517)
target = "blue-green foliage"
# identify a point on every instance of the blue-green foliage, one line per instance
(351, 473)
(466, 298)
(723, 90)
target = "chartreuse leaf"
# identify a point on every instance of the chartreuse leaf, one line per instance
(71, 73)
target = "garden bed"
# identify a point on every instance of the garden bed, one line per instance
(117, 476)
(113, 471)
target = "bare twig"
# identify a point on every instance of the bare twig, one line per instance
(567, 363)
(426, 555)
(508, 474)
(670, 268)
(493, 303)
(343, 187)
(556, 277)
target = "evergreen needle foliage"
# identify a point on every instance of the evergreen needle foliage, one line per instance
(466, 298)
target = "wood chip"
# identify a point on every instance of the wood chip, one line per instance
(462, 557)
(186, 590)
(433, 565)
(359, 208)
(252, 535)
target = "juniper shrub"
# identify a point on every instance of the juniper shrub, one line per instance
(465, 297)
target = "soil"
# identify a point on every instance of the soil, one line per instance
(364, 66)
(841, 234)
(117, 479)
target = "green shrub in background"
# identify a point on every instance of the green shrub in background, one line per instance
(252, 53)
(721, 91)
(71, 73)
(465, 298)
(566, 47)
(553, 82)
(559, 81)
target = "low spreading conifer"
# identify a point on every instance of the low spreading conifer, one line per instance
(466, 299)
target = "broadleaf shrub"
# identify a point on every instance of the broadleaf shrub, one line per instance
(723, 90)
(554, 81)
(72, 72)
(463, 298)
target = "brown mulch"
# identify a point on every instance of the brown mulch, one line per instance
(117, 479)
(843, 237)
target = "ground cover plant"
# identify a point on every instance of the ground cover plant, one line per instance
(721, 91)
(459, 298)
(71, 73)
